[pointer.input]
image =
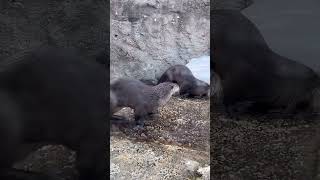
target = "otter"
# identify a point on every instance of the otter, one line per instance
(254, 78)
(53, 96)
(144, 99)
(189, 85)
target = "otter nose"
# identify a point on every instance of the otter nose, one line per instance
(176, 93)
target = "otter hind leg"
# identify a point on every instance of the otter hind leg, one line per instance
(140, 115)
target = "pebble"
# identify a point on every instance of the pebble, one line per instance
(191, 165)
(205, 172)
(143, 135)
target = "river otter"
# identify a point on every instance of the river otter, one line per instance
(144, 99)
(53, 96)
(252, 74)
(189, 85)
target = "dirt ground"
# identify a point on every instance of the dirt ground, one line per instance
(256, 147)
(182, 122)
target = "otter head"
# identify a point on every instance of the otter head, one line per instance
(202, 89)
(165, 90)
(175, 89)
(170, 89)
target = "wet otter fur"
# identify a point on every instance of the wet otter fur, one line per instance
(189, 85)
(144, 99)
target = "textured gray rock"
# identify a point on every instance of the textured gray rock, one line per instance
(205, 172)
(147, 37)
(192, 166)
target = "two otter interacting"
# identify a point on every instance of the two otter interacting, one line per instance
(254, 76)
(144, 99)
(54, 96)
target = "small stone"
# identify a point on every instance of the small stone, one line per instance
(161, 139)
(114, 169)
(143, 135)
(192, 166)
(204, 172)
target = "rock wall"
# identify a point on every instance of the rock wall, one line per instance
(26, 24)
(148, 36)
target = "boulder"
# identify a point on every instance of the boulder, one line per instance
(147, 37)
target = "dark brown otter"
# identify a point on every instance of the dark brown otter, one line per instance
(53, 96)
(252, 75)
(144, 99)
(189, 85)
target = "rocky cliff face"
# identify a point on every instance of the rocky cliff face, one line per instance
(148, 36)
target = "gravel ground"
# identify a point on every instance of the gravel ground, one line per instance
(173, 145)
(181, 122)
(57, 161)
(263, 148)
